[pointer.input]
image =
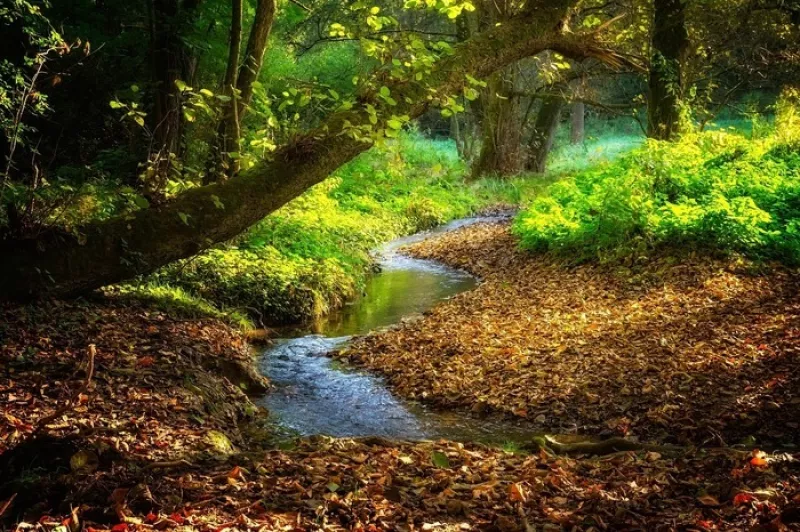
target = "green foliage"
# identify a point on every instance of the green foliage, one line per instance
(314, 253)
(716, 190)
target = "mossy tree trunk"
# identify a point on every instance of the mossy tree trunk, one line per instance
(501, 145)
(58, 264)
(670, 46)
(544, 132)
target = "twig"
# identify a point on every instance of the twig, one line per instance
(169, 464)
(6, 505)
(75, 397)
(298, 4)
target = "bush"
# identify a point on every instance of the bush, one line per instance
(715, 190)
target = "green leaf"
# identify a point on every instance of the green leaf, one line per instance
(385, 92)
(116, 104)
(141, 202)
(332, 486)
(184, 217)
(440, 460)
(182, 86)
(394, 124)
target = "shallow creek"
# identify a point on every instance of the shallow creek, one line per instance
(315, 394)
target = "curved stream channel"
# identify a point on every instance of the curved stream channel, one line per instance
(314, 394)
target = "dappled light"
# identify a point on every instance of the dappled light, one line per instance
(399, 265)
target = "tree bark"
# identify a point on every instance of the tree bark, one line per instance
(501, 145)
(57, 264)
(166, 123)
(578, 123)
(228, 132)
(544, 132)
(501, 121)
(670, 46)
(254, 53)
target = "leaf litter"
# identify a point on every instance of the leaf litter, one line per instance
(163, 439)
(693, 351)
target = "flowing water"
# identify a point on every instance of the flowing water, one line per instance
(314, 394)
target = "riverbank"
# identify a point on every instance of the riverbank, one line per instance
(158, 438)
(120, 417)
(690, 351)
(315, 254)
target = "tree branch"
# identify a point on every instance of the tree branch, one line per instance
(57, 264)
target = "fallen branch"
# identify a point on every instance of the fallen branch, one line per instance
(612, 445)
(169, 464)
(75, 397)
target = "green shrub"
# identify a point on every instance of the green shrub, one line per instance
(313, 254)
(717, 190)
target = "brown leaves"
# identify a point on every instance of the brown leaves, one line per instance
(691, 350)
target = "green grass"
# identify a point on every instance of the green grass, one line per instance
(313, 255)
(177, 302)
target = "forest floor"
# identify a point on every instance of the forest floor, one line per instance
(689, 350)
(121, 417)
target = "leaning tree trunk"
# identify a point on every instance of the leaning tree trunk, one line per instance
(544, 132)
(670, 46)
(59, 264)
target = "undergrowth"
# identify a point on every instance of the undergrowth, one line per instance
(718, 190)
(313, 255)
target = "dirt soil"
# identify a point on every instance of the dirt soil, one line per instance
(163, 437)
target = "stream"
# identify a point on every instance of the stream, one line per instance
(315, 394)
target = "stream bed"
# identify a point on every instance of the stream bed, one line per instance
(315, 394)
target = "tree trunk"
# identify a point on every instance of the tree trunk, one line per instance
(254, 54)
(166, 123)
(578, 123)
(501, 121)
(544, 132)
(228, 138)
(501, 146)
(58, 264)
(228, 127)
(670, 46)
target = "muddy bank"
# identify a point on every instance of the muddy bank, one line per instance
(694, 351)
